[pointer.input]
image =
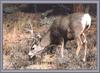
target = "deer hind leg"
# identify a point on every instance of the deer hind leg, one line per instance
(79, 44)
(85, 41)
(80, 39)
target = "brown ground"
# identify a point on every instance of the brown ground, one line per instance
(17, 42)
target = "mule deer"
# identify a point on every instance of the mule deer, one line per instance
(75, 23)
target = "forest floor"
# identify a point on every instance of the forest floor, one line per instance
(17, 41)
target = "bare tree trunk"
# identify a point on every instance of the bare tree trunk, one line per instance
(78, 8)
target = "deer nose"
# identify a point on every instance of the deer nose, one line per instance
(30, 54)
(29, 58)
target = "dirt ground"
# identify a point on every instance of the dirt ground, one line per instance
(17, 42)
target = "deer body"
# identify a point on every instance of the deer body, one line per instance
(58, 34)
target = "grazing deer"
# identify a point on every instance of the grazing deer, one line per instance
(75, 23)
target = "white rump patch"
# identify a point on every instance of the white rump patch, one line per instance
(86, 20)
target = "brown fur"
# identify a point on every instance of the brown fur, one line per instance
(63, 29)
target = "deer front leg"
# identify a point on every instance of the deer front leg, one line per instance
(62, 48)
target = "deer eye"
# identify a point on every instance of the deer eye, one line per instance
(32, 48)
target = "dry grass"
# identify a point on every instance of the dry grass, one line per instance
(17, 42)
